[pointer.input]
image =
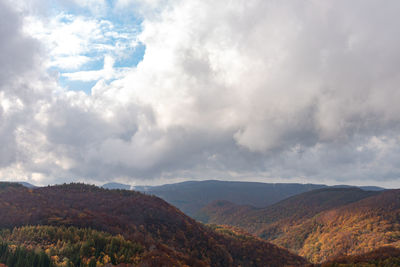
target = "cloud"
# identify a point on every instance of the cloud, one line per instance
(24, 89)
(107, 73)
(18, 54)
(95, 6)
(266, 90)
(73, 41)
(145, 8)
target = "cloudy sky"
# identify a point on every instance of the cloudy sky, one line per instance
(159, 91)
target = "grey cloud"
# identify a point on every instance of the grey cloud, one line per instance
(18, 52)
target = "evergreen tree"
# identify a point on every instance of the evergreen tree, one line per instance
(44, 260)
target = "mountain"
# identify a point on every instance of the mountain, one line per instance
(191, 196)
(28, 185)
(365, 188)
(108, 225)
(117, 186)
(25, 184)
(320, 224)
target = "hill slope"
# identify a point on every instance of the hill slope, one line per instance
(320, 224)
(384, 256)
(288, 211)
(352, 229)
(163, 231)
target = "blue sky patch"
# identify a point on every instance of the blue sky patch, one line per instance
(98, 42)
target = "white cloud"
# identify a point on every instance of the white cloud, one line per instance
(95, 6)
(66, 38)
(108, 72)
(145, 8)
(73, 41)
(69, 62)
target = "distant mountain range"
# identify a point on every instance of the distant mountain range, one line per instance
(28, 185)
(117, 186)
(191, 196)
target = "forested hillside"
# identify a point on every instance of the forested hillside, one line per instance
(66, 246)
(352, 229)
(321, 224)
(286, 212)
(148, 230)
(384, 256)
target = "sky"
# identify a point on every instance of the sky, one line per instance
(150, 92)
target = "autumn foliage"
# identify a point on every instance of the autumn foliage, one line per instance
(384, 256)
(321, 225)
(121, 227)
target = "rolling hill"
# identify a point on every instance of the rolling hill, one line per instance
(290, 210)
(100, 221)
(322, 224)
